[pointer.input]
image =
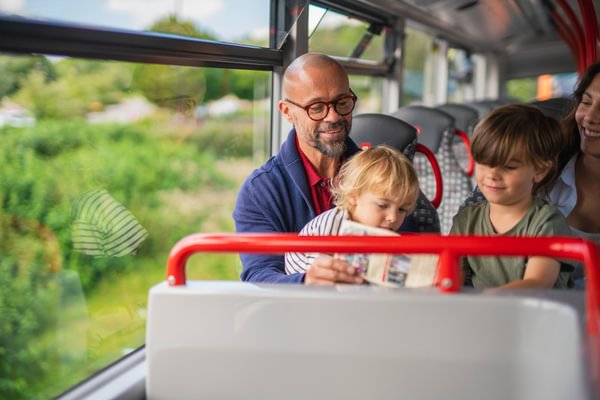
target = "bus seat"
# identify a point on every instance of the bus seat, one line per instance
(437, 132)
(465, 119)
(557, 107)
(465, 116)
(482, 108)
(375, 129)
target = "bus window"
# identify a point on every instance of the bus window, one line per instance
(228, 18)
(104, 165)
(339, 35)
(460, 76)
(418, 53)
(541, 87)
(369, 90)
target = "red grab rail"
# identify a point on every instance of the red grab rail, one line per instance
(437, 173)
(465, 138)
(450, 249)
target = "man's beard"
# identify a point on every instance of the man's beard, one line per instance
(332, 149)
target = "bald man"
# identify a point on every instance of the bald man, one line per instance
(292, 187)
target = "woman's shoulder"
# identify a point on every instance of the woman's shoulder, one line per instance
(563, 192)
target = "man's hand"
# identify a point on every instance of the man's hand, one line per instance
(327, 270)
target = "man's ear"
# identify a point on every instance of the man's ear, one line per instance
(541, 172)
(285, 110)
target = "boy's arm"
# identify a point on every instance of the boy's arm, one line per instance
(540, 272)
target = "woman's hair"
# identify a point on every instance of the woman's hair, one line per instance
(569, 125)
(382, 170)
(518, 131)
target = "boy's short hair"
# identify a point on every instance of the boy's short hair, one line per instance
(383, 170)
(518, 131)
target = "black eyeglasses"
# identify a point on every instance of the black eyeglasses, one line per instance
(318, 110)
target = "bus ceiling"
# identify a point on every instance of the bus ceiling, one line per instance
(508, 28)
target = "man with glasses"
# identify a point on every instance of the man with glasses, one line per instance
(292, 187)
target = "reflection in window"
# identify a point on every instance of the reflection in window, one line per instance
(103, 167)
(339, 35)
(235, 21)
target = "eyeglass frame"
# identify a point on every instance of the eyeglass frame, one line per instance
(329, 105)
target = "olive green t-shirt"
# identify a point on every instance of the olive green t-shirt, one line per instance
(542, 219)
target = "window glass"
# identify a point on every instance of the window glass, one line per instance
(104, 166)
(460, 76)
(369, 90)
(418, 64)
(342, 36)
(541, 87)
(236, 21)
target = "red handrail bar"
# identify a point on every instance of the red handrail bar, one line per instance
(437, 173)
(465, 138)
(450, 248)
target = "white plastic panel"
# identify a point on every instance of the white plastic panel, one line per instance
(229, 340)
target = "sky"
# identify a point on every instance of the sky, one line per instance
(228, 20)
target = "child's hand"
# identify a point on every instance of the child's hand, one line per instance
(327, 270)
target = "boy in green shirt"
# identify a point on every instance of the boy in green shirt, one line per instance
(514, 148)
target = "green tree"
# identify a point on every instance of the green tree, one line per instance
(341, 41)
(524, 90)
(16, 69)
(173, 25)
(180, 88)
(249, 84)
(81, 86)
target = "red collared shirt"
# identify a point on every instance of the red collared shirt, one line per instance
(319, 187)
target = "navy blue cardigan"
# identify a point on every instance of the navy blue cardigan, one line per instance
(276, 198)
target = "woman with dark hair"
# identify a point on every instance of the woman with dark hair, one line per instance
(576, 191)
(575, 188)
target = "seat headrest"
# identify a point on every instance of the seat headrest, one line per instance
(557, 107)
(431, 124)
(377, 129)
(465, 117)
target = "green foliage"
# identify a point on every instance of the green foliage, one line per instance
(27, 293)
(80, 87)
(179, 88)
(173, 25)
(249, 84)
(341, 41)
(225, 138)
(523, 90)
(16, 69)
(44, 170)
(418, 45)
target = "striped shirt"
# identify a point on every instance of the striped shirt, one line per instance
(327, 223)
